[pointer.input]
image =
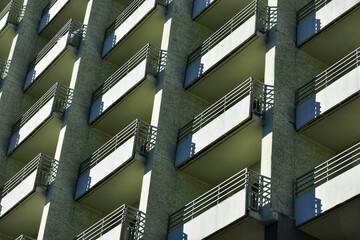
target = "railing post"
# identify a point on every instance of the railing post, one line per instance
(123, 222)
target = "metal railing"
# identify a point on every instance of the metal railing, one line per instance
(258, 190)
(132, 220)
(23, 237)
(328, 170)
(327, 77)
(251, 86)
(15, 10)
(4, 67)
(149, 52)
(310, 9)
(62, 98)
(256, 7)
(43, 164)
(144, 137)
(76, 32)
(127, 13)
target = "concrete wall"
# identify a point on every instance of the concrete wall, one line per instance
(51, 13)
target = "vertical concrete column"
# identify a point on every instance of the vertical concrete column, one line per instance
(166, 189)
(13, 103)
(63, 218)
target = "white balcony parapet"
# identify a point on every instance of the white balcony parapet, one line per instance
(328, 185)
(51, 11)
(127, 21)
(237, 32)
(125, 80)
(318, 15)
(24, 237)
(245, 194)
(54, 101)
(11, 14)
(70, 35)
(133, 142)
(328, 89)
(125, 222)
(39, 172)
(225, 115)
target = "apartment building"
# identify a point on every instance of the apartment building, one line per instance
(179, 119)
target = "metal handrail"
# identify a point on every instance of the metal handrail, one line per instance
(41, 163)
(15, 10)
(127, 13)
(76, 30)
(62, 98)
(327, 77)
(256, 7)
(23, 237)
(150, 52)
(258, 189)
(132, 220)
(328, 170)
(251, 86)
(143, 133)
(309, 9)
(4, 67)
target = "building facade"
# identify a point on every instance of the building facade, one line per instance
(179, 119)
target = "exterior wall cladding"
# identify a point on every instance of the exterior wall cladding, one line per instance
(179, 119)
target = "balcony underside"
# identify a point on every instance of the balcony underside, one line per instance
(6, 37)
(24, 218)
(74, 9)
(136, 104)
(247, 61)
(219, 13)
(338, 129)
(340, 223)
(238, 150)
(342, 31)
(149, 30)
(122, 186)
(44, 140)
(58, 71)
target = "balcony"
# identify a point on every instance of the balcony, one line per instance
(23, 237)
(38, 129)
(10, 16)
(235, 51)
(4, 67)
(140, 23)
(119, 164)
(230, 129)
(328, 106)
(55, 61)
(57, 13)
(125, 222)
(237, 208)
(323, 24)
(327, 197)
(23, 197)
(214, 13)
(135, 80)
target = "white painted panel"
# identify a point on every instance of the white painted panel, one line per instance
(30, 125)
(128, 24)
(328, 195)
(113, 234)
(52, 13)
(119, 89)
(18, 193)
(212, 220)
(200, 5)
(322, 18)
(213, 130)
(101, 170)
(228, 44)
(46, 60)
(3, 21)
(327, 98)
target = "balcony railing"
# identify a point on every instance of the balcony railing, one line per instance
(47, 7)
(328, 170)
(251, 87)
(327, 77)
(256, 7)
(143, 141)
(149, 52)
(258, 195)
(4, 67)
(23, 237)
(131, 221)
(15, 13)
(310, 8)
